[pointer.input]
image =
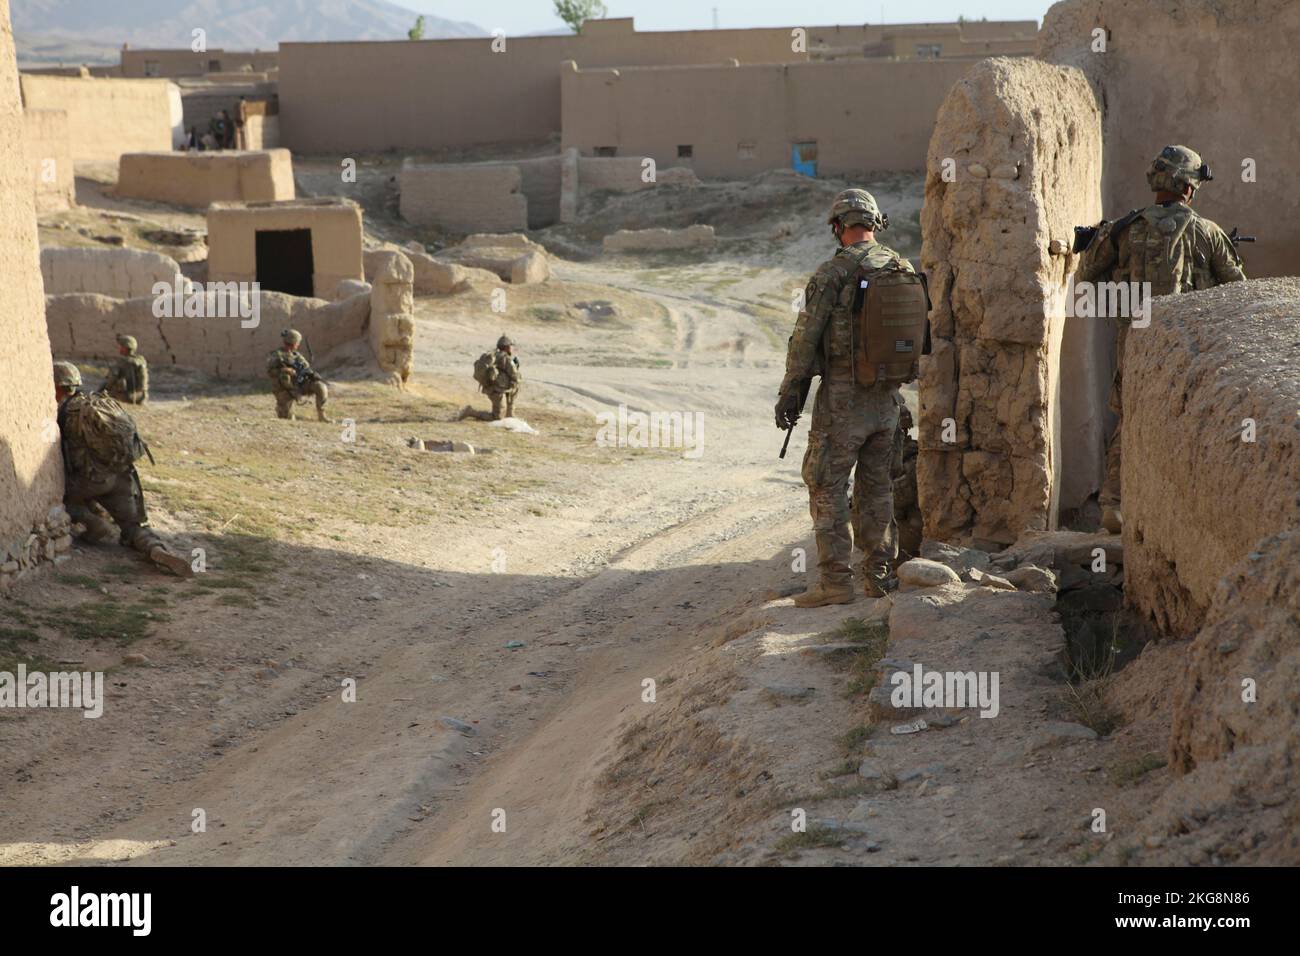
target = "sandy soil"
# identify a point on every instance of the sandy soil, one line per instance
(502, 614)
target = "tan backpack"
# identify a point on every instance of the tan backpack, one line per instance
(890, 328)
(99, 432)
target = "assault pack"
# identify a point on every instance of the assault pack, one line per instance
(890, 328)
(486, 371)
(99, 435)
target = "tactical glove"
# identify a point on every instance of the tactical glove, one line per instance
(788, 409)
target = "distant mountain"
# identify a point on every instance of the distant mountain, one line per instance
(44, 26)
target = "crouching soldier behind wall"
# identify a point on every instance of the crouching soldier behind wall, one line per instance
(128, 380)
(292, 378)
(100, 447)
(1172, 248)
(855, 415)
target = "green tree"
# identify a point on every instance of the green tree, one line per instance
(574, 12)
(416, 32)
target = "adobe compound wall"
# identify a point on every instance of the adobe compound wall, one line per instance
(865, 116)
(106, 117)
(1012, 398)
(1211, 442)
(49, 153)
(196, 179)
(117, 272)
(33, 525)
(1208, 74)
(84, 327)
(336, 97)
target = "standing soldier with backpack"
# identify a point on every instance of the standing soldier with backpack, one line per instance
(100, 447)
(1168, 246)
(497, 374)
(128, 381)
(862, 329)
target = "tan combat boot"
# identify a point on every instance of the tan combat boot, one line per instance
(321, 416)
(175, 563)
(822, 594)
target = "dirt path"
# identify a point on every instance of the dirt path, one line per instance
(500, 653)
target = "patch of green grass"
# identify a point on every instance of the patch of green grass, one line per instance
(816, 836)
(851, 741)
(236, 600)
(78, 581)
(1130, 771)
(107, 619)
(839, 770)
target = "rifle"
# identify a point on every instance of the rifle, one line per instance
(1235, 237)
(804, 386)
(1083, 236)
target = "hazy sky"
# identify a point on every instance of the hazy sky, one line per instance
(523, 16)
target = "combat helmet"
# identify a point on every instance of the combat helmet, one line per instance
(290, 336)
(505, 342)
(128, 342)
(67, 375)
(1176, 166)
(857, 207)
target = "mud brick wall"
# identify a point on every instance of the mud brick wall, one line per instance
(1014, 163)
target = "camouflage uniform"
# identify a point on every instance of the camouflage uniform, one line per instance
(506, 387)
(907, 509)
(1199, 256)
(293, 379)
(128, 380)
(852, 425)
(93, 493)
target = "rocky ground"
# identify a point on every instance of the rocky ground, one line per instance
(562, 652)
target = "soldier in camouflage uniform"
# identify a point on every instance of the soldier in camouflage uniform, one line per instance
(498, 376)
(96, 490)
(1169, 246)
(292, 378)
(852, 425)
(128, 381)
(506, 387)
(907, 509)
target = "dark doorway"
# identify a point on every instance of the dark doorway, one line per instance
(284, 262)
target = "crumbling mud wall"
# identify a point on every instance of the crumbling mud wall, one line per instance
(196, 179)
(392, 315)
(106, 117)
(520, 194)
(121, 273)
(1211, 442)
(33, 525)
(49, 152)
(83, 328)
(464, 198)
(1219, 76)
(1012, 401)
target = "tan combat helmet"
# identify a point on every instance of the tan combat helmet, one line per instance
(128, 342)
(67, 375)
(857, 207)
(1176, 166)
(505, 342)
(290, 336)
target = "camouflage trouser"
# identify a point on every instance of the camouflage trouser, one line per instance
(851, 426)
(1110, 489)
(119, 496)
(503, 398)
(284, 398)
